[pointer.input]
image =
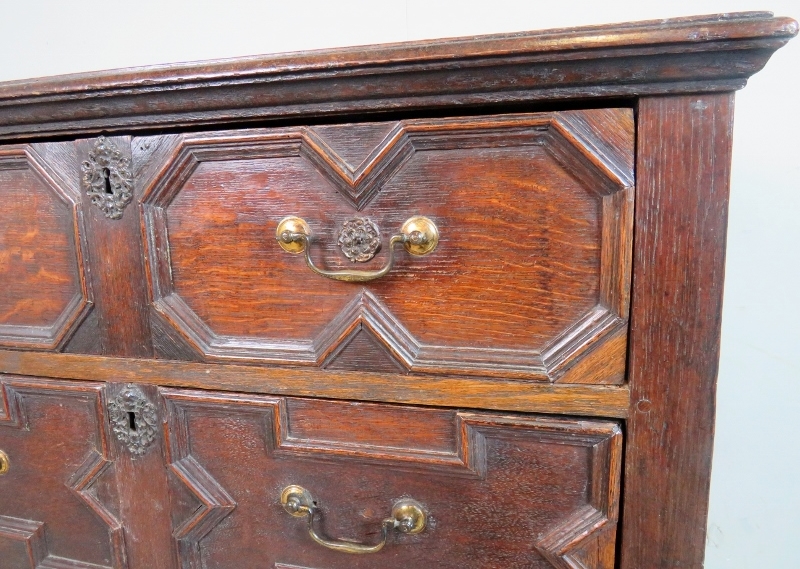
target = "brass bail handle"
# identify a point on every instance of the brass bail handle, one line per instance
(407, 517)
(359, 240)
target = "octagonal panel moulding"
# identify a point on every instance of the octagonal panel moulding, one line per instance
(530, 278)
(45, 291)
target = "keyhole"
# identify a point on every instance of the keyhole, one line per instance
(132, 420)
(107, 180)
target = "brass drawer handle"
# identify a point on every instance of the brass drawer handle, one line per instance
(407, 517)
(4, 463)
(359, 240)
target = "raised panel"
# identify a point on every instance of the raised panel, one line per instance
(530, 277)
(60, 502)
(499, 490)
(45, 295)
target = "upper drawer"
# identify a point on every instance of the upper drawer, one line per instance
(530, 277)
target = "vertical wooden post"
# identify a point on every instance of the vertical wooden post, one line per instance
(118, 276)
(683, 171)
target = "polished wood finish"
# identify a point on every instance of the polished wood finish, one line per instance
(705, 53)
(123, 327)
(60, 499)
(567, 283)
(681, 218)
(535, 216)
(477, 393)
(45, 292)
(142, 481)
(474, 473)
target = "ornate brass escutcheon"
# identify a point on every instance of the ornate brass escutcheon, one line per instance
(107, 178)
(360, 240)
(133, 419)
(407, 517)
(4, 463)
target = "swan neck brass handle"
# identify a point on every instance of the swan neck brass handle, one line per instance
(407, 517)
(359, 240)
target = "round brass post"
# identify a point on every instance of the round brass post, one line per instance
(5, 464)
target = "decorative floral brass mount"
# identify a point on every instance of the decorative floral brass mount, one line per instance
(107, 178)
(360, 240)
(133, 419)
(4, 463)
(407, 517)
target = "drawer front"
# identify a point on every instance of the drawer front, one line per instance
(59, 500)
(529, 279)
(45, 294)
(495, 490)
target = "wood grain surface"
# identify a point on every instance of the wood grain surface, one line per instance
(681, 216)
(589, 400)
(60, 500)
(492, 380)
(531, 273)
(44, 289)
(123, 327)
(499, 490)
(705, 53)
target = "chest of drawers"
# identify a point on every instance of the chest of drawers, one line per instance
(451, 303)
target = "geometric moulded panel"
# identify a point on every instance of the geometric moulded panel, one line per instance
(499, 490)
(45, 293)
(60, 502)
(530, 278)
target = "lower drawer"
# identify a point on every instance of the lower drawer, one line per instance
(475, 489)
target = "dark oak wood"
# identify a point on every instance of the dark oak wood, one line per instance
(504, 395)
(60, 499)
(143, 483)
(706, 53)
(681, 217)
(45, 292)
(119, 460)
(531, 274)
(499, 490)
(123, 327)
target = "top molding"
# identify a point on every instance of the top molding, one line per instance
(683, 55)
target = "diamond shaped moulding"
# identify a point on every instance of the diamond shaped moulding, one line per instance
(76, 410)
(46, 294)
(222, 183)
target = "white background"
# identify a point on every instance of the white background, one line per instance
(754, 520)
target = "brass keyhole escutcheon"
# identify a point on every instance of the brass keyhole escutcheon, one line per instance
(4, 463)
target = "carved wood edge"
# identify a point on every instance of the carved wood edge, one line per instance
(710, 53)
(467, 454)
(94, 467)
(461, 392)
(585, 528)
(33, 535)
(56, 335)
(468, 457)
(215, 502)
(603, 166)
